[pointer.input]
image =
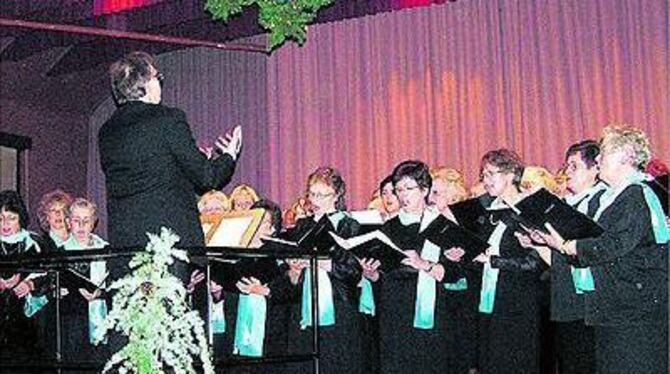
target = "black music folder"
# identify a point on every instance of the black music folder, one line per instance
(73, 280)
(227, 272)
(543, 207)
(374, 245)
(447, 234)
(470, 213)
(315, 237)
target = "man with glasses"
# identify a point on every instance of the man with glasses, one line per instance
(153, 168)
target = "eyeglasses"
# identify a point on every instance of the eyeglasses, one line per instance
(82, 222)
(160, 77)
(319, 195)
(489, 174)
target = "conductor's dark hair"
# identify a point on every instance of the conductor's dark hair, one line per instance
(507, 161)
(384, 182)
(588, 151)
(273, 209)
(413, 169)
(11, 201)
(130, 75)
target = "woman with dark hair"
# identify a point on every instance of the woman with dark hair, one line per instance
(509, 297)
(389, 200)
(339, 322)
(409, 300)
(256, 312)
(21, 295)
(575, 348)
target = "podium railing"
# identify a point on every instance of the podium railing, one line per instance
(55, 262)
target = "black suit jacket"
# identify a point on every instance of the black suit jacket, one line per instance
(153, 172)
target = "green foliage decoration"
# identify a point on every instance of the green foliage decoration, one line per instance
(149, 307)
(285, 19)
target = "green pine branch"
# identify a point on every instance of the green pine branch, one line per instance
(284, 19)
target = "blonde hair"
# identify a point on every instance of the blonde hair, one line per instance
(452, 177)
(627, 138)
(80, 202)
(534, 176)
(215, 195)
(50, 198)
(477, 190)
(376, 202)
(243, 189)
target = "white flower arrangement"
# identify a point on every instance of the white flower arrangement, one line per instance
(149, 307)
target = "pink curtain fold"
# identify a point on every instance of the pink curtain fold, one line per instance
(447, 83)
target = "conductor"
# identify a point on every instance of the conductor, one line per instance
(153, 168)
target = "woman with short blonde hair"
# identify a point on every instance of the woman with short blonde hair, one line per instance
(52, 211)
(213, 202)
(243, 197)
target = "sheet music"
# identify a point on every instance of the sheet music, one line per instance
(361, 239)
(230, 232)
(368, 217)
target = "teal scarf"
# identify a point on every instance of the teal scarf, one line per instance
(32, 304)
(460, 285)
(426, 290)
(250, 325)
(487, 295)
(659, 226)
(582, 278)
(218, 319)
(426, 286)
(21, 236)
(366, 304)
(326, 305)
(97, 309)
(57, 240)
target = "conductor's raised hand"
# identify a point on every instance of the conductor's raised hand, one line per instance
(231, 144)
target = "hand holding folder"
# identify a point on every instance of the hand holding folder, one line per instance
(229, 272)
(542, 207)
(446, 234)
(72, 279)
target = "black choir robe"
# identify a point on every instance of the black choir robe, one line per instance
(275, 340)
(403, 348)
(462, 305)
(341, 343)
(23, 338)
(575, 346)
(629, 307)
(509, 336)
